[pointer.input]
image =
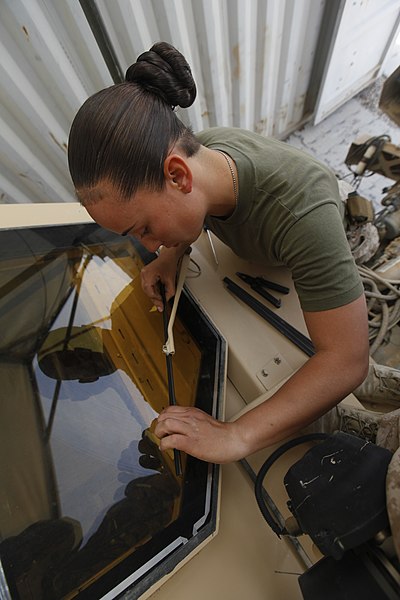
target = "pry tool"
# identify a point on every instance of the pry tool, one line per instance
(170, 376)
(258, 284)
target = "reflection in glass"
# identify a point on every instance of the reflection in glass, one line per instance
(84, 487)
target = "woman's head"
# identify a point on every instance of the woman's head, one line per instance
(124, 133)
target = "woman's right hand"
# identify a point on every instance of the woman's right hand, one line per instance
(163, 268)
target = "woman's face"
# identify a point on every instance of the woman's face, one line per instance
(162, 218)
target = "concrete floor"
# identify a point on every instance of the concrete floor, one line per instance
(330, 140)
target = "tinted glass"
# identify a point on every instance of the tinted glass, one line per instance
(88, 500)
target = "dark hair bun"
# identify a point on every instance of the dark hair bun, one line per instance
(163, 70)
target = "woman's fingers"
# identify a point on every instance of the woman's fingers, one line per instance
(197, 433)
(151, 275)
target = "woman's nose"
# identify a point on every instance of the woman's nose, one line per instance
(151, 245)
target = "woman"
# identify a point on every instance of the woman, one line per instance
(139, 170)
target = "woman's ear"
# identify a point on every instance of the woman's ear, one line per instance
(178, 173)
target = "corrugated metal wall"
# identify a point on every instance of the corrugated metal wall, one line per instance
(257, 64)
(50, 63)
(251, 59)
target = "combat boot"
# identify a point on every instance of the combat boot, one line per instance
(382, 384)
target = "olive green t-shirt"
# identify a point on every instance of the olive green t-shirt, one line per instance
(289, 213)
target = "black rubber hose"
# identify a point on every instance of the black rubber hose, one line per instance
(258, 487)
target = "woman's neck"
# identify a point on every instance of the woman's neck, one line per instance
(217, 181)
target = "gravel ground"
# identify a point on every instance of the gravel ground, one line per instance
(370, 99)
(330, 140)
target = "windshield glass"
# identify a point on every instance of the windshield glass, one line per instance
(87, 497)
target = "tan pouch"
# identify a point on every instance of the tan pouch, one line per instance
(359, 208)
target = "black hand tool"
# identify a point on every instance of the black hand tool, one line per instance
(170, 377)
(301, 341)
(258, 284)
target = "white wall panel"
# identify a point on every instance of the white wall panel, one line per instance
(364, 36)
(392, 59)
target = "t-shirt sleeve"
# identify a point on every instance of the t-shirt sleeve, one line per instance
(317, 252)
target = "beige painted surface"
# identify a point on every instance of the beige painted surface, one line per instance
(15, 216)
(253, 343)
(246, 559)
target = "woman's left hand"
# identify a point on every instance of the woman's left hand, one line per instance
(197, 433)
